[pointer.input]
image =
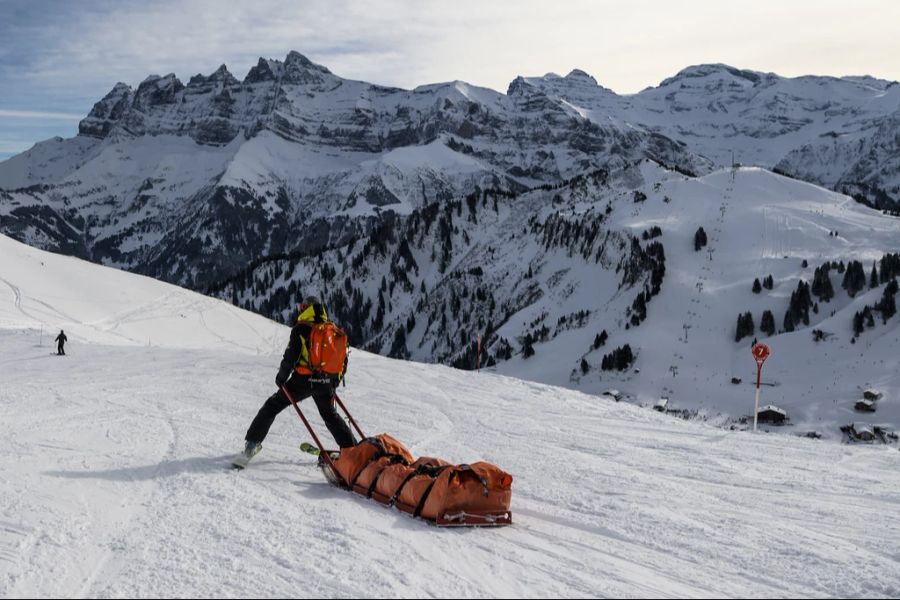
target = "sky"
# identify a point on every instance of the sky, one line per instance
(58, 57)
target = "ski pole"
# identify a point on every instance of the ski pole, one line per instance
(349, 416)
(315, 438)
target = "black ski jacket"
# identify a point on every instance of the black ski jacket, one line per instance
(299, 339)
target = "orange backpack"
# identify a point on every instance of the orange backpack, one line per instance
(327, 349)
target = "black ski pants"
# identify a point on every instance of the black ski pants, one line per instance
(300, 389)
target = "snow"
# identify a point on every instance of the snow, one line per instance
(460, 90)
(111, 307)
(755, 220)
(47, 161)
(114, 479)
(753, 118)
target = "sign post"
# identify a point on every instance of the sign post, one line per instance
(760, 353)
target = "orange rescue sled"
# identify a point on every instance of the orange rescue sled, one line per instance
(383, 469)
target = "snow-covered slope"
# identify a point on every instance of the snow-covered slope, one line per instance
(541, 275)
(114, 479)
(48, 292)
(758, 224)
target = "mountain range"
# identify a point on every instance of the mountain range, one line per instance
(541, 220)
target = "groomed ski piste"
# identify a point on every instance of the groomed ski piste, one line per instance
(114, 480)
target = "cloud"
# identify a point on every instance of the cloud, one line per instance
(127, 41)
(39, 115)
(627, 46)
(61, 57)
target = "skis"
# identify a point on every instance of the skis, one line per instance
(309, 448)
(241, 460)
(324, 464)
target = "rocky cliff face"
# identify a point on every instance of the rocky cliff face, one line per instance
(189, 182)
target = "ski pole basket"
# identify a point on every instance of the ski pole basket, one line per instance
(443, 494)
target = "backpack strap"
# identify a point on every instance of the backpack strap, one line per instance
(402, 485)
(436, 471)
(394, 459)
(468, 470)
(424, 497)
(320, 315)
(378, 454)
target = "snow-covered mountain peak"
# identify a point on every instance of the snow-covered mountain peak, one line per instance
(516, 86)
(266, 69)
(716, 72)
(870, 82)
(577, 83)
(155, 90)
(296, 69)
(118, 90)
(299, 70)
(578, 74)
(105, 112)
(295, 60)
(221, 75)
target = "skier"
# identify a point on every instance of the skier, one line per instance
(61, 339)
(295, 374)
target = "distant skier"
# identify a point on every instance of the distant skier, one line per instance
(302, 381)
(61, 340)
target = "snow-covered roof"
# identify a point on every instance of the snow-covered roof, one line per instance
(773, 408)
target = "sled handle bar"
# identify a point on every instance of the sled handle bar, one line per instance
(322, 452)
(340, 402)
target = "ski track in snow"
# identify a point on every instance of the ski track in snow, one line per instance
(117, 485)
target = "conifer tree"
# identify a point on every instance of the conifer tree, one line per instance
(788, 321)
(699, 239)
(767, 323)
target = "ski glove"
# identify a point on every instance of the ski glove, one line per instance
(280, 379)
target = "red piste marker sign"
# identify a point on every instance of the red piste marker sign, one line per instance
(760, 352)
